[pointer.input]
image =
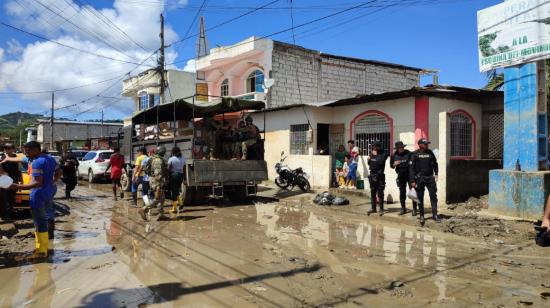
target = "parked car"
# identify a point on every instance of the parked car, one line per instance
(79, 154)
(94, 164)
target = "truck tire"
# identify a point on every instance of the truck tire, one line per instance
(187, 194)
(125, 182)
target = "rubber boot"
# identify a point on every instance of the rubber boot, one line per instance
(143, 213)
(174, 209)
(161, 212)
(414, 211)
(51, 229)
(41, 244)
(435, 217)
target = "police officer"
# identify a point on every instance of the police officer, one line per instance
(423, 174)
(377, 179)
(400, 162)
(158, 175)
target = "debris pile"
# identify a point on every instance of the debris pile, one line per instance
(327, 199)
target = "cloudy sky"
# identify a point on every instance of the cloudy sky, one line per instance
(98, 42)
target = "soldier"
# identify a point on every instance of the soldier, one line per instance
(377, 179)
(158, 172)
(400, 162)
(423, 174)
(211, 127)
(251, 134)
(226, 138)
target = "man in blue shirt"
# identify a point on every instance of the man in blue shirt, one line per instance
(41, 186)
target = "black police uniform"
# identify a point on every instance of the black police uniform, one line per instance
(423, 167)
(403, 177)
(377, 178)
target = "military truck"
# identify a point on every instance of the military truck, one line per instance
(179, 124)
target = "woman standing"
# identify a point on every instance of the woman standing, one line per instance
(175, 167)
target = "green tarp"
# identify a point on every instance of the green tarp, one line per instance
(183, 109)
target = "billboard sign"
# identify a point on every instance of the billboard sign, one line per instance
(513, 32)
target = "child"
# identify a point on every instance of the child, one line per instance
(343, 173)
(351, 178)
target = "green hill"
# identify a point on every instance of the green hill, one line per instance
(12, 124)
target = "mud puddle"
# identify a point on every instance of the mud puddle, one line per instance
(280, 254)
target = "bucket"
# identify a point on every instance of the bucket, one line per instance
(360, 184)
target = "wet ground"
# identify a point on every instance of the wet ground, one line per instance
(286, 253)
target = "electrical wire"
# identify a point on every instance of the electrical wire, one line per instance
(85, 31)
(65, 45)
(60, 90)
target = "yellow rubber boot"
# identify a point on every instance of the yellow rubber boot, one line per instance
(174, 209)
(44, 242)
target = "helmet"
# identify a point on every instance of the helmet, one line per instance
(161, 150)
(249, 119)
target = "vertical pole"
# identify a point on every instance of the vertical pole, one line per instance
(51, 122)
(20, 137)
(161, 71)
(102, 134)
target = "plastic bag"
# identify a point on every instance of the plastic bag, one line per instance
(147, 201)
(5, 181)
(413, 195)
(325, 201)
(340, 201)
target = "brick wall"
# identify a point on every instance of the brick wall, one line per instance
(323, 77)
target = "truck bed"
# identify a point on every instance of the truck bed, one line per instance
(228, 171)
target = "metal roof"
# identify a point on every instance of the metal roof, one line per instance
(465, 94)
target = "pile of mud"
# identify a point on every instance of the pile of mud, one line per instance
(490, 229)
(473, 204)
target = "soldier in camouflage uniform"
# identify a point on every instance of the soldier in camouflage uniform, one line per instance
(158, 175)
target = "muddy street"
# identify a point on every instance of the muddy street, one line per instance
(270, 253)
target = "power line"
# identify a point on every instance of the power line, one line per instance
(225, 22)
(67, 46)
(94, 35)
(109, 21)
(298, 26)
(60, 90)
(204, 2)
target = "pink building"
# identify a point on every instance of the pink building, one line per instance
(300, 75)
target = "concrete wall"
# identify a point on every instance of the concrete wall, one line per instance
(67, 131)
(325, 78)
(469, 178)
(517, 193)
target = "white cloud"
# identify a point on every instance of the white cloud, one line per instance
(14, 47)
(190, 66)
(43, 65)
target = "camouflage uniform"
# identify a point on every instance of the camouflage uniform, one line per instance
(157, 179)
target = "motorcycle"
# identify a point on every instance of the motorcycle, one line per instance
(289, 178)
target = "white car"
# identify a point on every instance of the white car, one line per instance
(94, 164)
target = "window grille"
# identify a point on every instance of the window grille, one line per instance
(299, 144)
(461, 136)
(496, 135)
(143, 101)
(371, 128)
(255, 81)
(224, 89)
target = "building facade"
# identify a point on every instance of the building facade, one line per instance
(144, 89)
(452, 118)
(299, 75)
(72, 134)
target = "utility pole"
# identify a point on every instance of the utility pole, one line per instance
(102, 135)
(161, 61)
(51, 122)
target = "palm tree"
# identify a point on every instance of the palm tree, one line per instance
(495, 81)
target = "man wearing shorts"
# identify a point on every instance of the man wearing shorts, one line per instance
(43, 171)
(116, 163)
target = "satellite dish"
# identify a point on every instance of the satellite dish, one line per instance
(268, 83)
